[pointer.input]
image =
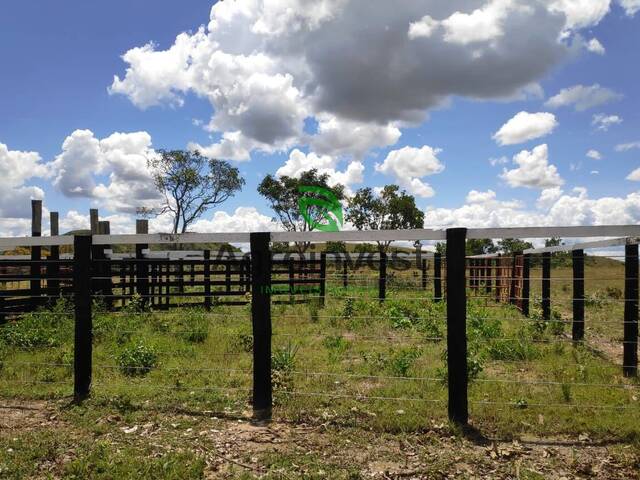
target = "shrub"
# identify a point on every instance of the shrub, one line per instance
(336, 345)
(613, 292)
(349, 308)
(243, 342)
(137, 304)
(30, 331)
(284, 359)
(138, 359)
(402, 361)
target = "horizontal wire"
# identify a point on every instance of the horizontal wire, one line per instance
(554, 405)
(357, 397)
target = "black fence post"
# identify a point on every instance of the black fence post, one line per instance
(53, 272)
(498, 279)
(83, 330)
(546, 286)
(630, 357)
(437, 277)
(36, 254)
(382, 277)
(512, 284)
(261, 320)
(141, 270)
(526, 285)
(457, 326)
(423, 268)
(578, 295)
(323, 277)
(207, 279)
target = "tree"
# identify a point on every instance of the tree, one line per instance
(391, 210)
(192, 184)
(481, 246)
(335, 247)
(513, 245)
(296, 206)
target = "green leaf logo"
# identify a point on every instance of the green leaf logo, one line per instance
(326, 206)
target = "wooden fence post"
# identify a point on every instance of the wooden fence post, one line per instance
(512, 284)
(382, 277)
(345, 271)
(104, 228)
(261, 321)
(83, 329)
(457, 326)
(526, 270)
(578, 295)
(207, 280)
(546, 286)
(141, 270)
(489, 275)
(94, 220)
(36, 255)
(630, 357)
(323, 277)
(499, 278)
(53, 271)
(437, 277)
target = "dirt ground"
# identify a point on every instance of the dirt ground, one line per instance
(236, 448)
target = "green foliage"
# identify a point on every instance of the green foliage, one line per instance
(335, 247)
(480, 246)
(195, 326)
(40, 329)
(243, 342)
(191, 184)
(402, 361)
(137, 304)
(283, 196)
(336, 345)
(512, 349)
(393, 209)
(284, 359)
(137, 359)
(513, 245)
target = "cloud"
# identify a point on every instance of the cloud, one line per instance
(603, 122)
(298, 163)
(475, 196)
(409, 165)
(594, 154)
(594, 46)
(582, 97)
(337, 136)
(555, 208)
(85, 162)
(624, 147)
(268, 66)
(534, 170)
(17, 167)
(631, 7)
(498, 161)
(243, 219)
(634, 176)
(525, 126)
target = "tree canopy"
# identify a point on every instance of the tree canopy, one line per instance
(392, 209)
(295, 205)
(191, 184)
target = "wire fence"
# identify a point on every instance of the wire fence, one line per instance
(454, 332)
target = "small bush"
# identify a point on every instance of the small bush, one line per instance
(137, 304)
(138, 359)
(507, 349)
(30, 331)
(284, 359)
(243, 342)
(402, 361)
(336, 345)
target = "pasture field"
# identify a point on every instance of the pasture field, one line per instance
(359, 389)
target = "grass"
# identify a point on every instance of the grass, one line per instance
(356, 364)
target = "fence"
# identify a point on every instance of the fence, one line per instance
(456, 278)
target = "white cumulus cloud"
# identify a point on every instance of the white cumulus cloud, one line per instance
(533, 171)
(603, 122)
(594, 154)
(525, 126)
(409, 165)
(16, 168)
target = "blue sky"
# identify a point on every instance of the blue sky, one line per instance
(266, 76)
